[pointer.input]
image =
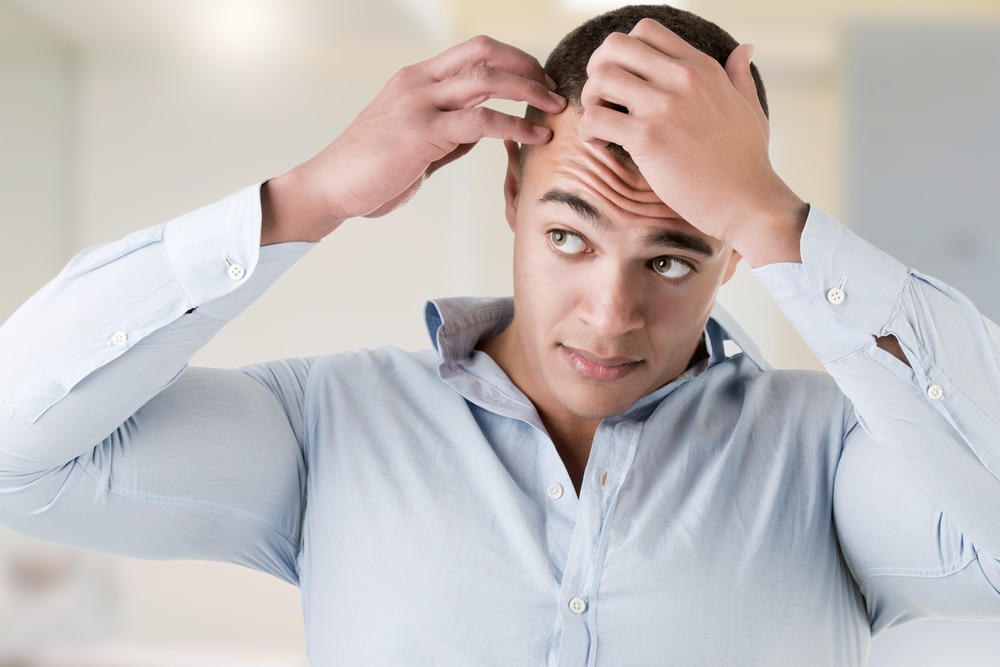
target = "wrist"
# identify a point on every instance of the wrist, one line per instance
(293, 211)
(776, 234)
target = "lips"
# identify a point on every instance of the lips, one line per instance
(595, 367)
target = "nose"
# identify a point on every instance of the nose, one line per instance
(612, 303)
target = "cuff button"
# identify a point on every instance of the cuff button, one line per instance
(236, 272)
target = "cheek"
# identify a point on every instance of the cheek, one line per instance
(544, 296)
(533, 276)
(685, 311)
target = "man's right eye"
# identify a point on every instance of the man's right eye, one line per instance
(566, 242)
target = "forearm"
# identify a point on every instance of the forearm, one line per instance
(850, 301)
(141, 306)
(917, 486)
(106, 440)
(940, 411)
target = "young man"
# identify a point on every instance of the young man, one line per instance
(578, 476)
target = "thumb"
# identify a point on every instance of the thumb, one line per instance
(738, 70)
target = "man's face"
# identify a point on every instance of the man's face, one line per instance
(612, 289)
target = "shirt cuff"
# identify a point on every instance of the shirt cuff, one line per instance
(843, 294)
(111, 297)
(216, 257)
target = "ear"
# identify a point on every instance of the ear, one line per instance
(734, 260)
(512, 181)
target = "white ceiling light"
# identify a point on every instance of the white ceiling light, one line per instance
(240, 30)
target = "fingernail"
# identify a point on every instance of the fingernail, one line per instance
(557, 98)
(551, 82)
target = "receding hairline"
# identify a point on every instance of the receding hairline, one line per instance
(567, 63)
(539, 117)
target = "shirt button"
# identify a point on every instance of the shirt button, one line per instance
(935, 392)
(555, 491)
(236, 272)
(119, 338)
(578, 605)
(836, 296)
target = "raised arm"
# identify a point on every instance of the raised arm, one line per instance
(917, 488)
(108, 441)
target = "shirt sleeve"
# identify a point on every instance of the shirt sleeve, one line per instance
(917, 491)
(109, 442)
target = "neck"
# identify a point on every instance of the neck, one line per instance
(573, 440)
(571, 434)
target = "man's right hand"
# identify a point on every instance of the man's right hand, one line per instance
(426, 116)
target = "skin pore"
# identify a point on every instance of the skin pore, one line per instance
(612, 289)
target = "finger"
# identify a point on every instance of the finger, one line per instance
(664, 40)
(467, 126)
(483, 50)
(611, 84)
(738, 71)
(601, 126)
(631, 54)
(475, 86)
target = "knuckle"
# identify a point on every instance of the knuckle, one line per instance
(597, 69)
(616, 39)
(481, 43)
(687, 77)
(404, 76)
(480, 115)
(644, 26)
(482, 74)
(647, 133)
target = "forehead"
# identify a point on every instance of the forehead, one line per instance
(614, 189)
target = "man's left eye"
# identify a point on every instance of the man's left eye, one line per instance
(671, 267)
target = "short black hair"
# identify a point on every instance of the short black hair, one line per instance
(567, 64)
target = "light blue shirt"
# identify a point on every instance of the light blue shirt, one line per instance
(738, 515)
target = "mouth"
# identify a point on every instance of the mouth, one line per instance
(595, 367)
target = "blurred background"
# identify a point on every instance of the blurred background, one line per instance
(119, 114)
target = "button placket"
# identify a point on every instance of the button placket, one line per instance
(935, 392)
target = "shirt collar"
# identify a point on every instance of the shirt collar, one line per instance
(457, 324)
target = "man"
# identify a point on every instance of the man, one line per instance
(580, 476)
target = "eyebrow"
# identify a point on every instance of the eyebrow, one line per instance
(579, 205)
(663, 238)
